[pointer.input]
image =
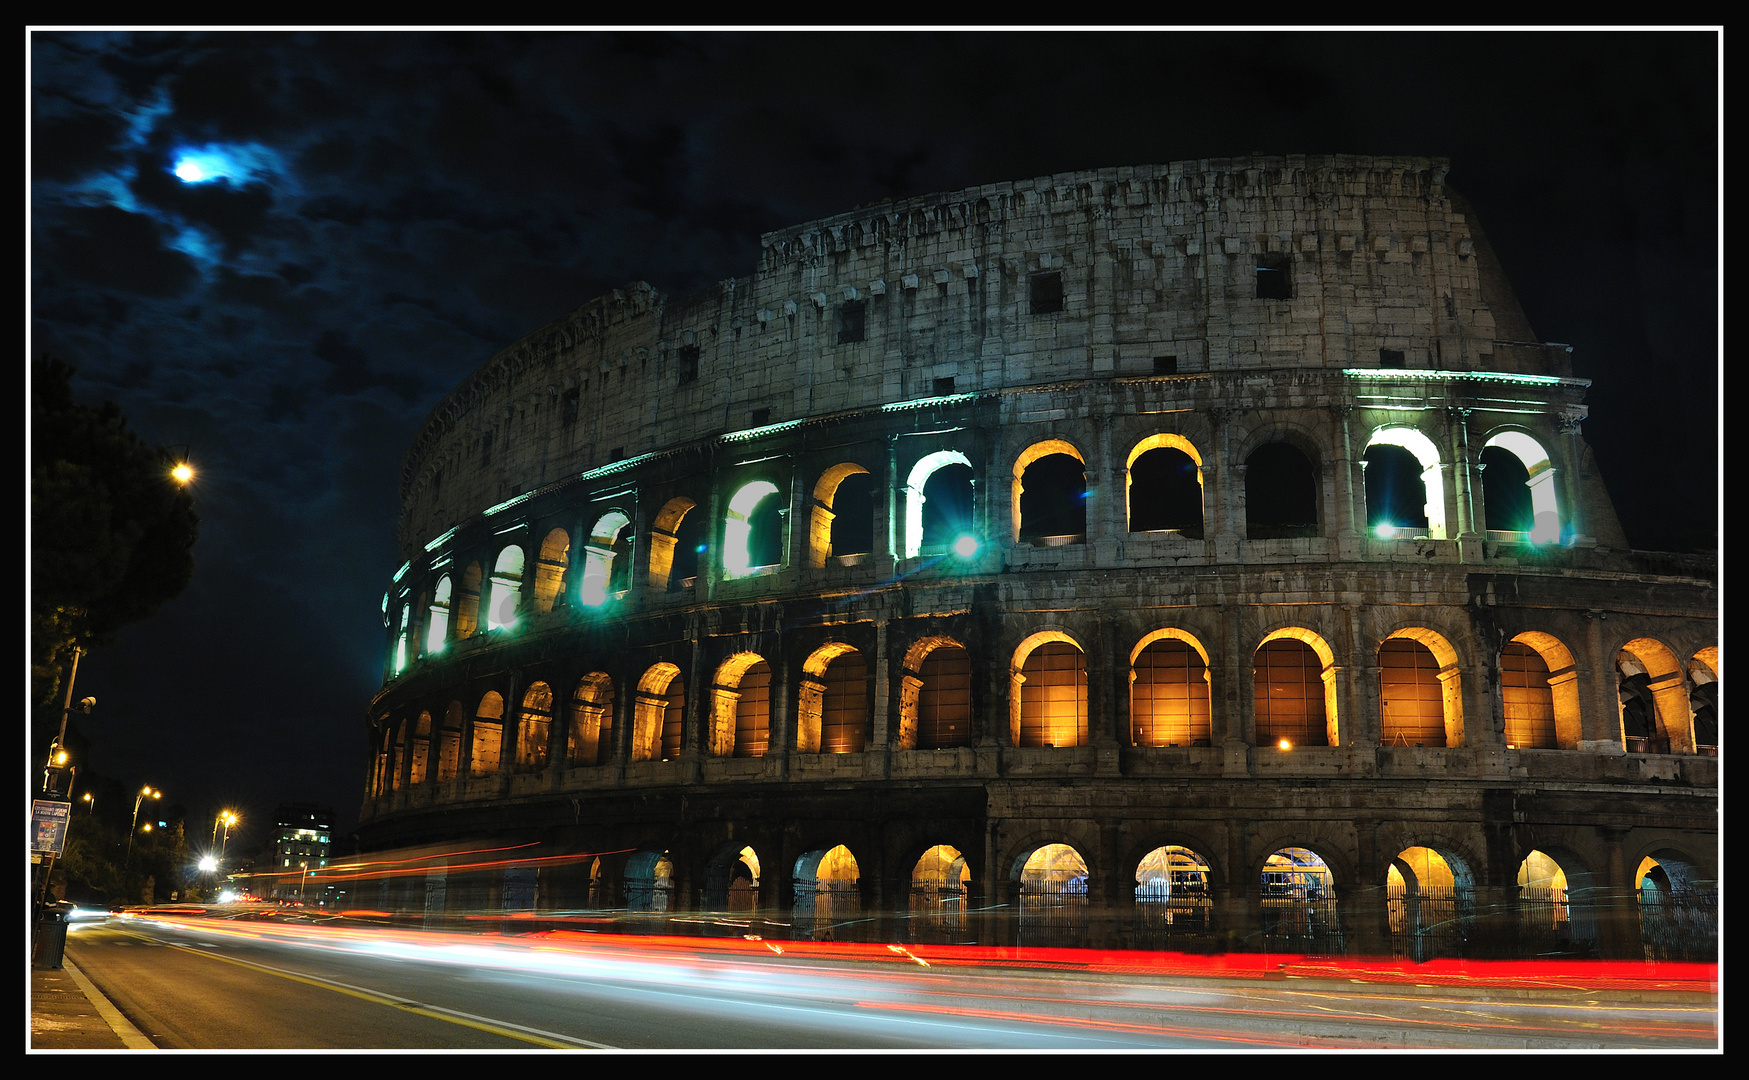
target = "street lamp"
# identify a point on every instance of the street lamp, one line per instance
(226, 818)
(90, 803)
(305, 865)
(145, 793)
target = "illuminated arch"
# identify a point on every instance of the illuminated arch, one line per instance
(821, 514)
(935, 695)
(1169, 690)
(1298, 897)
(549, 571)
(421, 749)
(914, 484)
(437, 621)
(1420, 691)
(832, 712)
(1304, 712)
(1546, 517)
(589, 740)
(661, 700)
(1173, 898)
(1703, 674)
(534, 728)
(504, 589)
(1141, 522)
(827, 889)
(449, 742)
(1428, 458)
(1429, 902)
(738, 538)
(1539, 693)
(488, 735)
(601, 558)
(741, 707)
(1052, 710)
(1672, 718)
(664, 533)
(1031, 454)
(467, 608)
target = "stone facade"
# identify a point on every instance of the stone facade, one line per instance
(1054, 513)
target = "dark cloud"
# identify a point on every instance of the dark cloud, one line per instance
(111, 248)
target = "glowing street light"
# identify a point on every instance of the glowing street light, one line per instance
(90, 801)
(145, 793)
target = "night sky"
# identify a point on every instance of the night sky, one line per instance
(383, 211)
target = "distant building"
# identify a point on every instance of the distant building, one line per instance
(302, 833)
(1204, 553)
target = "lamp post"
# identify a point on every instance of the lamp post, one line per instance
(90, 803)
(305, 866)
(229, 818)
(145, 793)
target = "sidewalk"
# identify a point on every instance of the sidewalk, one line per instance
(68, 1013)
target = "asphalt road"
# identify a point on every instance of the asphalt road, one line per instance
(224, 984)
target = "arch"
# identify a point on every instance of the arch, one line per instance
(1053, 509)
(1429, 904)
(1678, 904)
(1169, 690)
(1703, 675)
(649, 877)
(948, 505)
(1298, 898)
(832, 714)
(1163, 488)
(605, 559)
(741, 707)
(449, 742)
(1539, 693)
(657, 713)
(1053, 895)
(549, 571)
(1551, 919)
(1281, 493)
(731, 879)
(827, 891)
(503, 591)
(437, 619)
(467, 608)
(421, 749)
(1545, 523)
(1432, 488)
(940, 884)
(589, 740)
(1420, 696)
(1048, 702)
(835, 529)
(1657, 717)
(935, 695)
(1173, 899)
(534, 728)
(664, 539)
(403, 638)
(752, 531)
(488, 735)
(1289, 705)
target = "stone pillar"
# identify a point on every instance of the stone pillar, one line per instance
(1229, 507)
(1470, 532)
(1600, 714)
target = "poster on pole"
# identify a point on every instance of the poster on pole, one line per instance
(48, 820)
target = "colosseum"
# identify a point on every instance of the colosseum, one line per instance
(1200, 556)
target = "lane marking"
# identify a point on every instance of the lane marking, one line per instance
(131, 1036)
(550, 1040)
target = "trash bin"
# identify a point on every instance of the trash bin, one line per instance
(51, 934)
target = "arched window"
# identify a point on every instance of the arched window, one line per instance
(1295, 690)
(605, 559)
(935, 702)
(1281, 493)
(437, 624)
(1524, 487)
(827, 890)
(1552, 919)
(1299, 902)
(467, 609)
(1164, 486)
(534, 728)
(549, 572)
(1172, 896)
(676, 539)
(732, 880)
(938, 503)
(841, 519)
(1526, 699)
(449, 742)
(1050, 681)
(1704, 700)
(488, 735)
(753, 530)
(1169, 691)
(1657, 716)
(1404, 493)
(657, 715)
(1679, 909)
(940, 882)
(832, 714)
(1428, 905)
(1050, 495)
(650, 881)
(404, 638)
(1411, 696)
(504, 590)
(590, 740)
(421, 748)
(1053, 896)
(741, 707)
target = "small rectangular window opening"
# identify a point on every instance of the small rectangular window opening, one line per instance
(1046, 293)
(568, 408)
(850, 320)
(1392, 358)
(688, 358)
(1272, 279)
(761, 416)
(1165, 365)
(944, 385)
(486, 448)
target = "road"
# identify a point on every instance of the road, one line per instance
(210, 983)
